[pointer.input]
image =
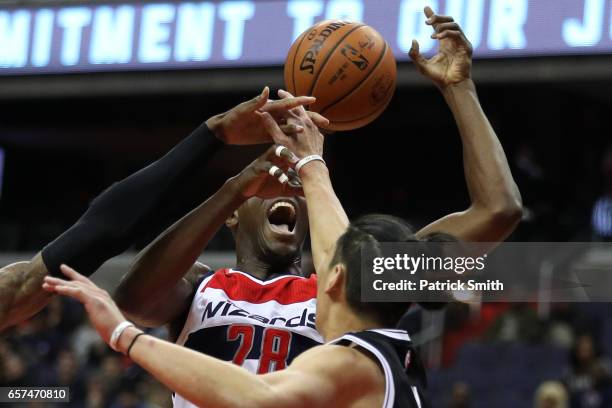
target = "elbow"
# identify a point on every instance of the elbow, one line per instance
(509, 214)
(134, 313)
(507, 208)
(128, 308)
(128, 303)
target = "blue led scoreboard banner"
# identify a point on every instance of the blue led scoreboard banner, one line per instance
(204, 34)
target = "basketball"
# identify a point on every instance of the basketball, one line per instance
(348, 67)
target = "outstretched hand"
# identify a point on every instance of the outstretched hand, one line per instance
(244, 124)
(453, 62)
(309, 140)
(100, 307)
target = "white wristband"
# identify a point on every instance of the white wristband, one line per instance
(117, 333)
(306, 160)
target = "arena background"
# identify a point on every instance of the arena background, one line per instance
(70, 128)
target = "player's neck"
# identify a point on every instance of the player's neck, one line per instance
(341, 320)
(262, 270)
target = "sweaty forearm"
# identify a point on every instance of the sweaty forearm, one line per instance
(21, 293)
(130, 208)
(167, 259)
(327, 218)
(487, 173)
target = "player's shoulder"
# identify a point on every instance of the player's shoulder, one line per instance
(334, 361)
(329, 353)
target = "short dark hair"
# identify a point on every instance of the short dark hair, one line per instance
(367, 232)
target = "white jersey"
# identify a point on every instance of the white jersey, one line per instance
(259, 325)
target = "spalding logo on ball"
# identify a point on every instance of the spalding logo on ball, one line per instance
(348, 67)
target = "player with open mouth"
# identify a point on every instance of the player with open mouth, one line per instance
(260, 313)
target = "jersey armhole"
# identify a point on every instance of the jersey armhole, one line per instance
(176, 327)
(201, 279)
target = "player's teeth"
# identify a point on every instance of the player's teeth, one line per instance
(282, 204)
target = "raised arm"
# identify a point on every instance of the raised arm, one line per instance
(326, 216)
(317, 378)
(111, 224)
(158, 288)
(496, 206)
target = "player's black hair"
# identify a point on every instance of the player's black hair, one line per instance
(367, 232)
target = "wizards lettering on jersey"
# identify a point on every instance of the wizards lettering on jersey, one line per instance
(259, 325)
(225, 308)
(227, 297)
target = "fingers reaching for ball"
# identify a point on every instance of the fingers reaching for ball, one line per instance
(286, 104)
(304, 143)
(318, 119)
(452, 64)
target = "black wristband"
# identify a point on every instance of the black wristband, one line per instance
(130, 209)
(127, 353)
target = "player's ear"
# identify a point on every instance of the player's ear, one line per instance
(232, 221)
(336, 278)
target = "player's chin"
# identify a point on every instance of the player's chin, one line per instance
(284, 251)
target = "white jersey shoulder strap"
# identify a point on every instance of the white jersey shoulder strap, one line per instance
(389, 383)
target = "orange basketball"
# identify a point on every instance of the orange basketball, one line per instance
(348, 67)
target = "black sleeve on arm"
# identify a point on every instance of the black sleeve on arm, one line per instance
(118, 216)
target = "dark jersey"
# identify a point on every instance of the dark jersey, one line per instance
(405, 378)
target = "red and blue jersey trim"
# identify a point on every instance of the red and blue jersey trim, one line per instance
(286, 289)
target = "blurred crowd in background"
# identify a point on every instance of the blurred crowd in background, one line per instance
(59, 348)
(511, 355)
